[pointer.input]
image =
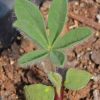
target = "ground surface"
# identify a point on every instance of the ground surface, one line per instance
(84, 56)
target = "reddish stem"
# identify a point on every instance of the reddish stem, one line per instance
(57, 97)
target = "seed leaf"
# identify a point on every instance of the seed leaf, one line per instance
(73, 37)
(76, 79)
(39, 92)
(30, 21)
(56, 18)
(56, 81)
(57, 58)
(32, 57)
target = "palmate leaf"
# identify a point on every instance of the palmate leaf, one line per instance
(30, 21)
(57, 58)
(73, 37)
(39, 92)
(32, 57)
(76, 79)
(56, 18)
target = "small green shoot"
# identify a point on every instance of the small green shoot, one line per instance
(56, 81)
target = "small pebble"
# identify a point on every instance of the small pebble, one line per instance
(76, 3)
(95, 56)
(96, 94)
(12, 62)
(97, 34)
(82, 5)
(88, 49)
(21, 51)
(98, 18)
(96, 78)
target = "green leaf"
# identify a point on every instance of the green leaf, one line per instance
(39, 92)
(76, 79)
(56, 80)
(30, 21)
(57, 18)
(32, 57)
(73, 37)
(57, 58)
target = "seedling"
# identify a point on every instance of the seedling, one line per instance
(75, 80)
(51, 45)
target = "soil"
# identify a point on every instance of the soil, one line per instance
(84, 56)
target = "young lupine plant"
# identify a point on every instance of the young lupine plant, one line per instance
(52, 45)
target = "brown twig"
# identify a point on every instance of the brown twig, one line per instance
(85, 20)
